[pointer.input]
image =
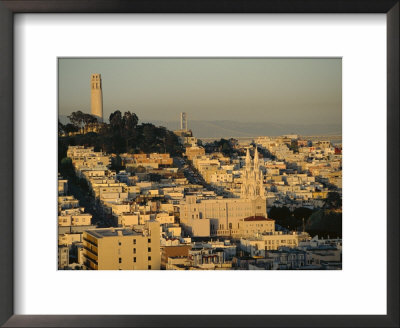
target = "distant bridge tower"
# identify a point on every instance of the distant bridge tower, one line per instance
(183, 121)
(96, 97)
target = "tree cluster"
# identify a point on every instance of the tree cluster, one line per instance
(128, 136)
(77, 120)
(290, 220)
(333, 201)
(227, 147)
(324, 222)
(123, 134)
(80, 119)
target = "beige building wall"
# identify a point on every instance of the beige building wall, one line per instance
(96, 97)
(225, 214)
(123, 249)
(67, 239)
(128, 219)
(192, 152)
(255, 227)
(272, 242)
(63, 257)
(62, 187)
(197, 227)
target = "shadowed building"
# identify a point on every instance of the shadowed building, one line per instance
(96, 97)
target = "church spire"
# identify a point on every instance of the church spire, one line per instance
(248, 159)
(252, 178)
(256, 166)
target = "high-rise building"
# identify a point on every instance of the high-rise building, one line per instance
(96, 97)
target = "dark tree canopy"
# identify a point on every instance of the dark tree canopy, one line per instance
(116, 123)
(79, 119)
(122, 134)
(68, 128)
(87, 119)
(224, 146)
(334, 200)
(325, 223)
(290, 220)
(130, 121)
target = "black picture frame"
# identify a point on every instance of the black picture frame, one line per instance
(7, 10)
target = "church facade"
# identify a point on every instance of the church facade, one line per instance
(221, 217)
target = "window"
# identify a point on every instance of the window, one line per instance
(134, 251)
(149, 240)
(119, 243)
(120, 260)
(134, 259)
(149, 249)
(149, 267)
(134, 242)
(149, 258)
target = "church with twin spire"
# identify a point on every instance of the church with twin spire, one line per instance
(252, 178)
(222, 216)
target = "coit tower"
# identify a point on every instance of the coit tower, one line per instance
(96, 97)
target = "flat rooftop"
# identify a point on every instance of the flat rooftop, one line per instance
(257, 218)
(109, 232)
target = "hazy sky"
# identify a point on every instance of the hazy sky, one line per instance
(247, 90)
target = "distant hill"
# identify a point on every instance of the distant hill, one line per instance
(226, 129)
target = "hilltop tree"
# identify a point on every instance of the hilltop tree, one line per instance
(76, 118)
(123, 134)
(130, 121)
(116, 122)
(80, 119)
(68, 128)
(87, 119)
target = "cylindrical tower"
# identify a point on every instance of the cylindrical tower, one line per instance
(183, 121)
(96, 97)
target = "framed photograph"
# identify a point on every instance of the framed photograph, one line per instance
(181, 164)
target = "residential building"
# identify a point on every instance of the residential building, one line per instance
(122, 248)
